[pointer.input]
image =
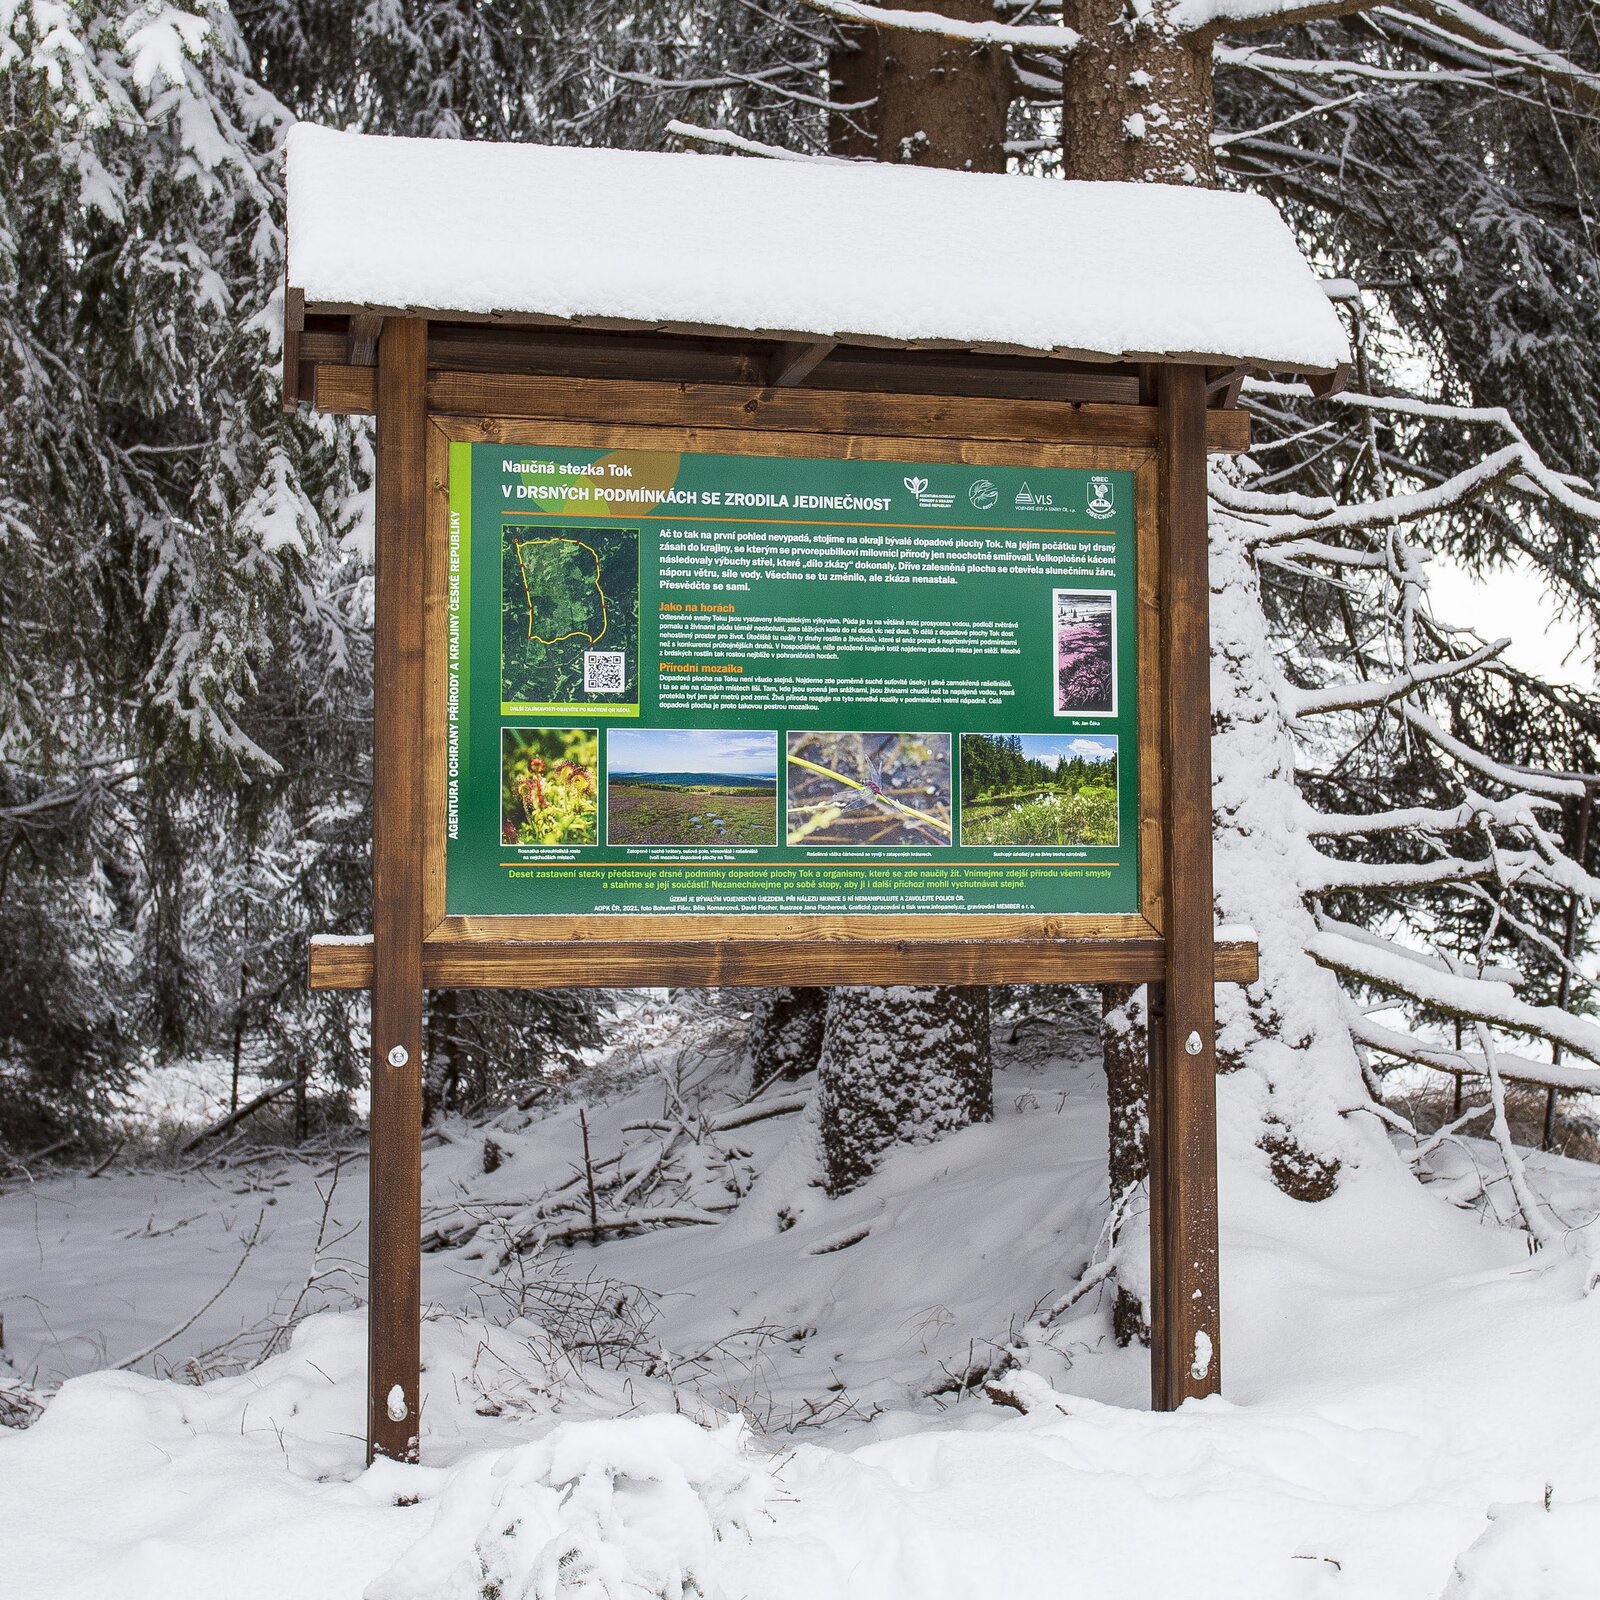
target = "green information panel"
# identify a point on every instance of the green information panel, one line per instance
(753, 684)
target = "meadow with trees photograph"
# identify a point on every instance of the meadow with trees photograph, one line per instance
(1027, 788)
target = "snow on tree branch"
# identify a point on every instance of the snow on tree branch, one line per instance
(1029, 35)
(723, 139)
(1454, 994)
(1357, 694)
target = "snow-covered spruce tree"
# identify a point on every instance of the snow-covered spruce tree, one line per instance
(185, 678)
(1400, 145)
(157, 542)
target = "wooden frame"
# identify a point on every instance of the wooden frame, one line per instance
(539, 950)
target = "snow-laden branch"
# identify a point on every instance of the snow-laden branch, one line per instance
(1025, 35)
(1541, 783)
(1467, 1063)
(1517, 811)
(1255, 59)
(1373, 877)
(1477, 999)
(1426, 958)
(1497, 42)
(1533, 1215)
(1359, 693)
(1565, 489)
(727, 140)
(1253, 16)
(1466, 485)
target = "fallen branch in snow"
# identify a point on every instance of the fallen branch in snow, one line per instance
(233, 1118)
(669, 1216)
(1533, 1216)
(189, 1321)
(1092, 1279)
(20, 1401)
(724, 139)
(101, 1165)
(20, 1163)
(316, 1275)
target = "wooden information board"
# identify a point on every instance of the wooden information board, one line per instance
(690, 684)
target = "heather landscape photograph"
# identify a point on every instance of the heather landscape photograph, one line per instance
(1085, 653)
(687, 786)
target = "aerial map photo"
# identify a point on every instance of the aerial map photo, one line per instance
(569, 616)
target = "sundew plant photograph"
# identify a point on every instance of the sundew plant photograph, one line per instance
(549, 786)
(1039, 789)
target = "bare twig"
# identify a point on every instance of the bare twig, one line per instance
(189, 1321)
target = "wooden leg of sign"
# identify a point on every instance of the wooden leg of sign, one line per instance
(394, 1218)
(1160, 1316)
(1186, 1347)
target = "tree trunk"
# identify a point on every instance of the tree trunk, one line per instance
(939, 102)
(787, 1033)
(906, 1065)
(1136, 98)
(900, 1066)
(1127, 1065)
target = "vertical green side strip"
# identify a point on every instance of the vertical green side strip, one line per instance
(458, 654)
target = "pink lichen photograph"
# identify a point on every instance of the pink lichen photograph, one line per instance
(1086, 653)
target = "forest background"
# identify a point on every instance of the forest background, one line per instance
(185, 666)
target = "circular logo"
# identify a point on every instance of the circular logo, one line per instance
(983, 495)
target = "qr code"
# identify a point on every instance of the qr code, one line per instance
(604, 671)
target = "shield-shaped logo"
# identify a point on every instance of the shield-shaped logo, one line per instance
(1100, 503)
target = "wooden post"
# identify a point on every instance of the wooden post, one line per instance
(394, 1218)
(1185, 1344)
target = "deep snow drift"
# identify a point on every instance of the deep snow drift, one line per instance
(1412, 1401)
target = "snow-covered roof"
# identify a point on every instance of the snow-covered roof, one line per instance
(801, 248)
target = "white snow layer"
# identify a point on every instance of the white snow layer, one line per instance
(815, 248)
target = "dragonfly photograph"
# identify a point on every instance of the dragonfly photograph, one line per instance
(869, 790)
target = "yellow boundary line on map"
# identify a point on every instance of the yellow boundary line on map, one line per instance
(577, 633)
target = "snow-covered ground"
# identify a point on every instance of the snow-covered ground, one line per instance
(793, 1400)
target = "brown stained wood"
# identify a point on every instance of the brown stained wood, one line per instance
(1147, 602)
(813, 410)
(1323, 385)
(294, 316)
(823, 446)
(817, 928)
(794, 363)
(561, 352)
(716, 331)
(350, 391)
(435, 650)
(361, 340)
(529, 962)
(1186, 1346)
(1160, 1307)
(343, 391)
(1222, 391)
(395, 1193)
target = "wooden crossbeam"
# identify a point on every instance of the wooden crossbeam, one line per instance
(733, 962)
(349, 391)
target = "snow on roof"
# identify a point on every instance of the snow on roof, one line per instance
(829, 249)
